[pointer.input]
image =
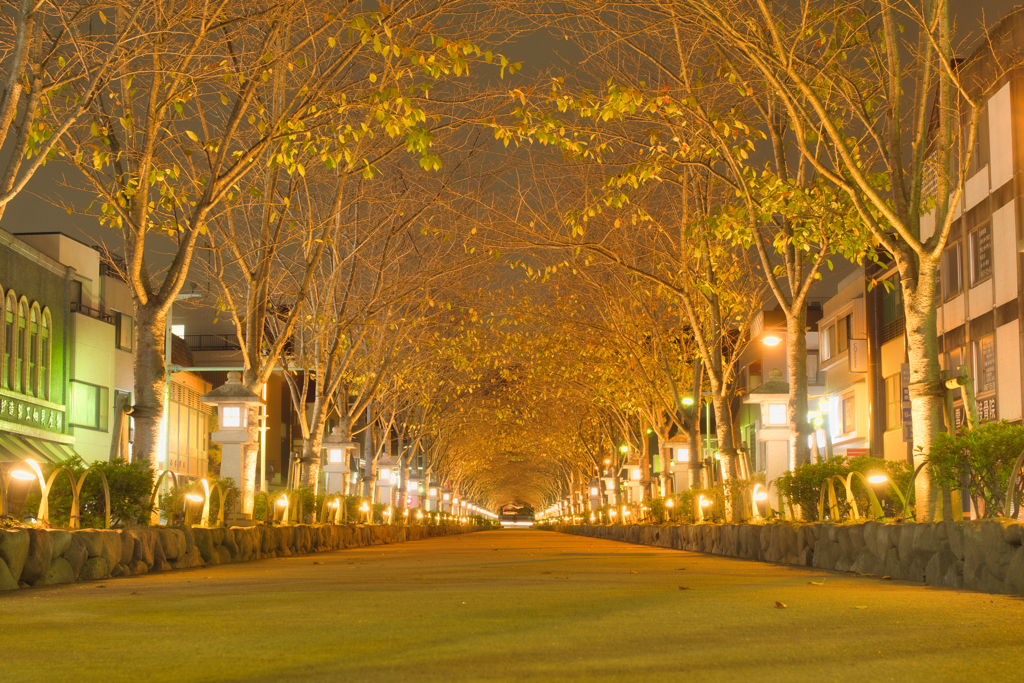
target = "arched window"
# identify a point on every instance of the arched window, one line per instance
(44, 356)
(23, 346)
(5, 345)
(32, 376)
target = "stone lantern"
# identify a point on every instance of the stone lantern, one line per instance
(594, 493)
(335, 460)
(232, 401)
(633, 476)
(446, 499)
(387, 479)
(433, 494)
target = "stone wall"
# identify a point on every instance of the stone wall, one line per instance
(981, 555)
(43, 557)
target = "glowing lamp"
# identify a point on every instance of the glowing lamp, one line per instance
(877, 478)
(23, 475)
(771, 340)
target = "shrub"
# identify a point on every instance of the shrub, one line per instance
(130, 488)
(802, 486)
(982, 460)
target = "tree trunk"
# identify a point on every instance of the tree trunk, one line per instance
(150, 378)
(796, 359)
(926, 390)
(250, 460)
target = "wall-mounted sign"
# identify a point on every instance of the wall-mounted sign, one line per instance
(858, 355)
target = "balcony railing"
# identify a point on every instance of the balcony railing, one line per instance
(212, 342)
(891, 330)
(78, 307)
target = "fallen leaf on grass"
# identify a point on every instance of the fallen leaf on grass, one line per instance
(886, 578)
(860, 607)
(816, 583)
(780, 605)
(317, 562)
(101, 586)
(680, 569)
(632, 572)
(684, 588)
(545, 572)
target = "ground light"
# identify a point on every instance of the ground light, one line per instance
(877, 477)
(771, 340)
(23, 475)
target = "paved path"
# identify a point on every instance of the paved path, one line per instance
(507, 606)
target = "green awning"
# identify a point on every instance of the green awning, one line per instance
(15, 447)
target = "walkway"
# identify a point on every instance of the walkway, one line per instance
(506, 606)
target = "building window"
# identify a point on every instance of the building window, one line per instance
(985, 364)
(981, 253)
(982, 150)
(952, 271)
(10, 303)
(125, 331)
(837, 337)
(849, 415)
(89, 405)
(44, 356)
(32, 366)
(777, 414)
(893, 403)
(231, 416)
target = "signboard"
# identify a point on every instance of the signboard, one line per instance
(858, 355)
(26, 413)
(908, 426)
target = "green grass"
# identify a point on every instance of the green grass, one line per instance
(507, 606)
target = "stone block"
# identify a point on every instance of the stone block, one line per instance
(161, 565)
(138, 567)
(1013, 533)
(127, 547)
(998, 552)
(76, 554)
(883, 541)
(938, 566)
(955, 536)
(223, 555)
(14, 550)
(868, 563)
(120, 570)
(61, 539)
(7, 580)
(93, 541)
(229, 542)
(870, 533)
(144, 546)
(857, 541)
(204, 542)
(1014, 582)
(954, 577)
(111, 541)
(60, 571)
(40, 551)
(94, 568)
(190, 558)
(893, 566)
(173, 542)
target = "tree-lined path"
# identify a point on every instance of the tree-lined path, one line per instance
(507, 606)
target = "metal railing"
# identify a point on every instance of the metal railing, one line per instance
(78, 307)
(212, 342)
(891, 330)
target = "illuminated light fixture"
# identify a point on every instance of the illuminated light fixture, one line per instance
(670, 503)
(195, 498)
(683, 455)
(282, 501)
(446, 496)
(433, 493)
(607, 461)
(23, 475)
(334, 456)
(877, 478)
(624, 448)
(688, 401)
(635, 474)
(760, 495)
(335, 504)
(419, 514)
(594, 491)
(771, 340)
(364, 507)
(612, 512)
(704, 501)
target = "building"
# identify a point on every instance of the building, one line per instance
(72, 312)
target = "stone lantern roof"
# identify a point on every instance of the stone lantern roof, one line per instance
(775, 385)
(232, 391)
